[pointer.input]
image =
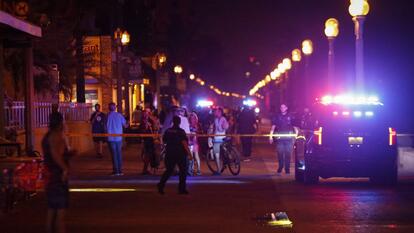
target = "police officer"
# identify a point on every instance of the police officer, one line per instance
(282, 123)
(247, 125)
(177, 151)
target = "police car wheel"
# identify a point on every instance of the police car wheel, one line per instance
(309, 174)
(309, 177)
(299, 176)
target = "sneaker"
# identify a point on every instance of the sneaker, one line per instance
(198, 173)
(160, 189)
(114, 174)
(120, 174)
(246, 160)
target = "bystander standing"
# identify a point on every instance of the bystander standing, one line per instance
(115, 123)
(98, 121)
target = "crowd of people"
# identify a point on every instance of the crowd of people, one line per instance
(147, 121)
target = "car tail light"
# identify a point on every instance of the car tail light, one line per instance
(318, 136)
(392, 136)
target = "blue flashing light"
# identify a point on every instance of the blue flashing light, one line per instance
(357, 114)
(249, 102)
(369, 114)
(204, 103)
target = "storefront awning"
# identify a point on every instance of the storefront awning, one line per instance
(20, 25)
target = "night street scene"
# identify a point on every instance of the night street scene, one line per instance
(206, 116)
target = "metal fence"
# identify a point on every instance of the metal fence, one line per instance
(14, 113)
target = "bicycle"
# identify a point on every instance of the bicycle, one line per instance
(229, 158)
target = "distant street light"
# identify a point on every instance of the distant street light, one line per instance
(192, 76)
(281, 68)
(331, 32)
(307, 47)
(287, 63)
(296, 55)
(358, 9)
(275, 74)
(125, 38)
(178, 69)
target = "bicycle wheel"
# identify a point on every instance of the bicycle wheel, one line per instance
(211, 162)
(234, 161)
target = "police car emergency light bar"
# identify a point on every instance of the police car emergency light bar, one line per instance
(249, 102)
(350, 100)
(204, 103)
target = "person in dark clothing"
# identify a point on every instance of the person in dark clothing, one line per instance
(147, 126)
(55, 114)
(98, 121)
(247, 125)
(177, 152)
(56, 159)
(283, 124)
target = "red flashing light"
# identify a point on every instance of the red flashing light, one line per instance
(318, 136)
(392, 136)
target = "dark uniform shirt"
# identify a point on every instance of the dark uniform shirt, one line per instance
(283, 123)
(98, 120)
(247, 120)
(173, 137)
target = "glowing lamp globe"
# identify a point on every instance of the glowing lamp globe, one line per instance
(358, 8)
(296, 55)
(331, 28)
(287, 63)
(307, 47)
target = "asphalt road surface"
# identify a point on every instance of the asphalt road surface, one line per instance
(219, 203)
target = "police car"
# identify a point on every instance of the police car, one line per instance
(351, 139)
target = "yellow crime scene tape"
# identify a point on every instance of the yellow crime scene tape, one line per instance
(291, 135)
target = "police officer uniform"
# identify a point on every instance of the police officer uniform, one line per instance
(284, 145)
(176, 154)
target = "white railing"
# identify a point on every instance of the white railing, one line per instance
(14, 113)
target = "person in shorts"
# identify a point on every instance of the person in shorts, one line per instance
(56, 160)
(98, 121)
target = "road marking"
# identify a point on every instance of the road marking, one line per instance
(136, 181)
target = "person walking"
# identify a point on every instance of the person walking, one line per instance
(282, 124)
(219, 127)
(56, 160)
(177, 153)
(247, 125)
(195, 128)
(98, 121)
(148, 151)
(114, 124)
(136, 116)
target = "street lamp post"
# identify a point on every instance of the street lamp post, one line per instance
(282, 70)
(121, 38)
(161, 59)
(331, 32)
(287, 64)
(358, 9)
(296, 58)
(178, 70)
(307, 50)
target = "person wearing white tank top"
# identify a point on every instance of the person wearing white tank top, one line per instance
(218, 128)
